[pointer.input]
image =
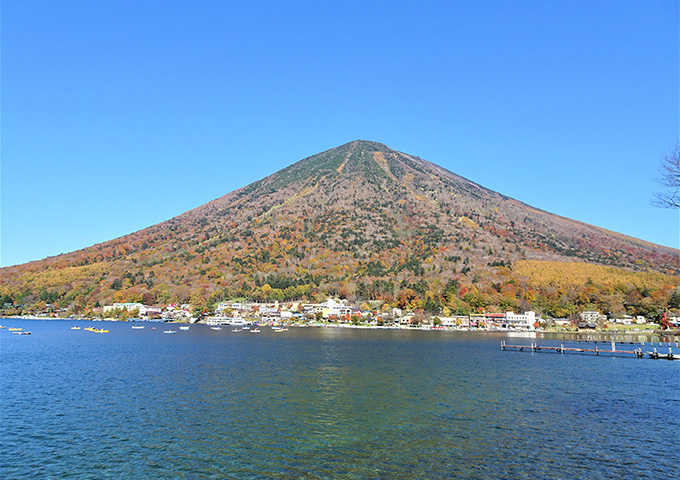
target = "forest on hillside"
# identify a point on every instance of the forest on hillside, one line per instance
(364, 223)
(553, 289)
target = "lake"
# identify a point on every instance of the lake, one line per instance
(325, 403)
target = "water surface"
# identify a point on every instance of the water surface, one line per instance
(325, 403)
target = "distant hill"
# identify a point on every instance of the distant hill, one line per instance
(360, 221)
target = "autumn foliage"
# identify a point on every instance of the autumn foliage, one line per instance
(365, 223)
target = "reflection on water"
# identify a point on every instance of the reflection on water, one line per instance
(326, 403)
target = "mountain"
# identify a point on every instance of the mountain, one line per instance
(360, 221)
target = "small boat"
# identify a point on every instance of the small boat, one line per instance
(184, 327)
(255, 330)
(22, 332)
(137, 327)
(236, 330)
(15, 329)
(170, 331)
(95, 330)
(279, 330)
(215, 328)
(75, 327)
(2, 326)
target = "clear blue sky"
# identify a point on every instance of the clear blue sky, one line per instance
(117, 115)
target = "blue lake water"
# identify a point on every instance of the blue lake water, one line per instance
(325, 403)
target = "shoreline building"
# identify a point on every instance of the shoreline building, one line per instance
(523, 321)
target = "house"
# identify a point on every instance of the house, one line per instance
(592, 317)
(562, 322)
(265, 310)
(495, 319)
(457, 321)
(478, 321)
(145, 311)
(272, 315)
(624, 320)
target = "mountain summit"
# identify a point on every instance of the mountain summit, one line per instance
(355, 215)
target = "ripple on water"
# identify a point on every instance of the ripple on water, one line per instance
(325, 404)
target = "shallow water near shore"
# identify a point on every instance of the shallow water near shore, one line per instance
(325, 403)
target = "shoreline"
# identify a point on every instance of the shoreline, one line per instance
(518, 332)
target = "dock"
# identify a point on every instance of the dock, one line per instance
(596, 351)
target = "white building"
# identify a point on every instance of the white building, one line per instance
(333, 308)
(592, 317)
(265, 310)
(457, 321)
(525, 321)
(123, 306)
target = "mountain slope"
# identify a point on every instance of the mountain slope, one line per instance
(356, 215)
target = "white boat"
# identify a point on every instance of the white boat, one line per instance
(138, 327)
(215, 328)
(255, 330)
(184, 327)
(170, 331)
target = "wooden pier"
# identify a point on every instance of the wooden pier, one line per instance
(613, 351)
